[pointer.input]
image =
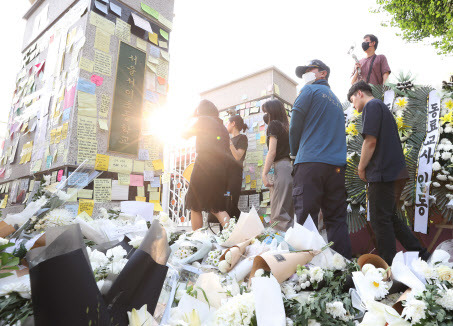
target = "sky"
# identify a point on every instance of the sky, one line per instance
(214, 42)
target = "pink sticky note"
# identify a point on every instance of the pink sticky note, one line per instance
(69, 97)
(136, 180)
(98, 80)
(60, 174)
(2, 173)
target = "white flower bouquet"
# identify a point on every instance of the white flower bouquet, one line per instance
(247, 227)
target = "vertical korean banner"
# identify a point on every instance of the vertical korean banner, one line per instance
(425, 162)
(125, 123)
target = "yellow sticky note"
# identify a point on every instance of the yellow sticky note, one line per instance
(158, 165)
(84, 216)
(253, 184)
(52, 136)
(73, 193)
(58, 135)
(87, 104)
(101, 22)
(139, 166)
(102, 190)
(153, 37)
(86, 205)
(102, 40)
(120, 165)
(139, 198)
(102, 162)
(263, 139)
(154, 196)
(124, 179)
(64, 130)
(157, 207)
(141, 191)
(86, 64)
(247, 179)
(103, 124)
(102, 63)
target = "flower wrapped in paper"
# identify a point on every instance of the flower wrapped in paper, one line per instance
(231, 256)
(248, 226)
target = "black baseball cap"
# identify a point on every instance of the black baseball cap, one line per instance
(315, 63)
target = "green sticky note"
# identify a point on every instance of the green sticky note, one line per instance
(150, 11)
(164, 34)
(260, 163)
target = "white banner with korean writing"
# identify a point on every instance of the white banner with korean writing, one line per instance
(425, 162)
(389, 98)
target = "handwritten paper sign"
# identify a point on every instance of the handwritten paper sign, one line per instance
(425, 163)
(102, 162)
(86, 205)
(126, 114)
(102, 190)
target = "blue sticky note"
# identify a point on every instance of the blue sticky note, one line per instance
(116, 9)
(73, 209)
(86, 86)
(257, 136)
(66, 114)
(79, 179)
(155, 51)
(49, 162)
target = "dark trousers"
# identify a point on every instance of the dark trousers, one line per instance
(320, 186)
(383, 198)
(234, 187)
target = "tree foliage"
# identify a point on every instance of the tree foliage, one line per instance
(420, 20)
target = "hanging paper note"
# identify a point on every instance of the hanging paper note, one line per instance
(102, 23)
(102, 40)
(141, 23)
(123, 30)
(139, 166)
(85, 193)
(124, 179)
(120, 165)
(150, 11)
(153, 37)
(136, 180)
(102, 63)
(87, 142)
(102, 190)
(116, 9)
(86, 205)
(158, 165)
(164, 34)
(139, 198)
(141, 44)
(102, 162)
(105, 106)
(87, 104)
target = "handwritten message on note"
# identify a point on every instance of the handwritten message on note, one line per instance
(102, 63)
(102, 190)
(87, 143)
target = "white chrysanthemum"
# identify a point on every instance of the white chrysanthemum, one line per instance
(116, 254)
(367, 267)
(117, 266)
(289, 322)
(437, 156)
(336, 309)
(449, 186)
(422, 267)
(312, 322)
(414, 310)
(62, 195)
(446, 299)
(376, 284)
(443, 141)
(316, 274)
(446, 155)
(213, 258)
(181, 291)
(100, 284)
(239, 310)
(56, 217)
(288, 290)
(441, 177)
(436, 166)
(339, 262)
(3, 241)
(104, 213)
(47, 179)
(228, 229)
(448, 129)
(21, 286)
(259, 272)
(97, 259)
(136, 241)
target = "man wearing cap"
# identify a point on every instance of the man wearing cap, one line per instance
(318, 145)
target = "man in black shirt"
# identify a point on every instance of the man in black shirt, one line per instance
(383, 166)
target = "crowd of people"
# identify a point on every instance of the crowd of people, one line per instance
(306, 161)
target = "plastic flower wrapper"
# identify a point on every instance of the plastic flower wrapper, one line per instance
(402, 273)
(141, 280)
(167, 296)
(248, 226)
(268, 301)
(64, 290)
(190, 250)
(50, 198)
(379, 314)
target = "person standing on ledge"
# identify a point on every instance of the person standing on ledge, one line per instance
(317, 139)
(208, 182)
(374, 68)
(383, 166)
(238, 147)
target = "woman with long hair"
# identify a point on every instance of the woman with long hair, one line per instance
(208, 181)
(238, 147)
(277, 159)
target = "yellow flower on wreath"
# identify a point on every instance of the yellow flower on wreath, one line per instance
(400, 123)
(448, 103)
(352, 130)
(447, 118)
(401, 102)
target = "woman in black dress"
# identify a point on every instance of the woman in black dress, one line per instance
(208, 182)
(238, 147)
